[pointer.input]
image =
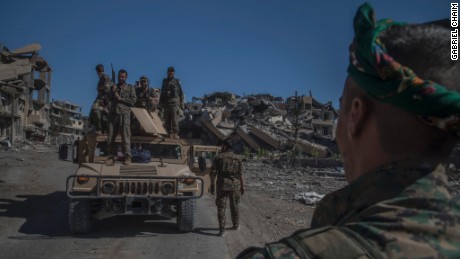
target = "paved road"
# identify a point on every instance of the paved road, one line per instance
(33, 220)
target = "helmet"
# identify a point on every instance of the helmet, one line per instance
(144, 78)
(171, 69)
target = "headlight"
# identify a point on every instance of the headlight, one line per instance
(108, 187)
(82, 179)
(167, 188)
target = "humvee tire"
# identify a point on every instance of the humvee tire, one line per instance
(80, 216)
(186, 215)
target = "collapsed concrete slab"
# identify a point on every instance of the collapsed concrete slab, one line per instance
(314, 150)
(242, 132)
(267, 137)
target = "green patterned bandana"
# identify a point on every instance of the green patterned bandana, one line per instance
(384, 79)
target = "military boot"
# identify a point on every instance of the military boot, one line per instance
(235, 227)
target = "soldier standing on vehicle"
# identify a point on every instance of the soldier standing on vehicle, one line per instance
(145, 95)
(100, 108)
(147, 99)
(123, 96)
(171, 100)
(399, 122)
(228, 169)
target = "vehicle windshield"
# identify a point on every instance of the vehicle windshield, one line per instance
(165, 151)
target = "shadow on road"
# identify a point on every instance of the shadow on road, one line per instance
(46, 216)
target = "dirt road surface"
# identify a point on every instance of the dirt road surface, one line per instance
(34, 218)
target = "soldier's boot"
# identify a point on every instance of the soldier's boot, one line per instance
(110, 161)
(222, 232)
(127, 161)
(235, 227)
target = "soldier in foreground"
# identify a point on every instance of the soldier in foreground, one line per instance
(228, 169)
(99, 110)
(123, 96)
(171, 100)
(399, 121)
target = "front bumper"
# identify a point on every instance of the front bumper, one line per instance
(151, 187)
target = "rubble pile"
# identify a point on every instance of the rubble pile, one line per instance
(307, 185)
(24, 145)
(259, 123)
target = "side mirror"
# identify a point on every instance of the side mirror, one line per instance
(202, 163)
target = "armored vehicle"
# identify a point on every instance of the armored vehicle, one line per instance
(159, 181)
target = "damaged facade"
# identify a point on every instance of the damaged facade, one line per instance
(25, 86)
(262, 122)
(67, 124)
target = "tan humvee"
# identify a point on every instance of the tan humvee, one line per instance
(159, 181)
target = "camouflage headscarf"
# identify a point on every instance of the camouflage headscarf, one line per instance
(386, 80)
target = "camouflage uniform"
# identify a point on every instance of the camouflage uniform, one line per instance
(99, 109)
(144, 98)
(120, 117)
(396, 211)
(228, 168)
(171, 100)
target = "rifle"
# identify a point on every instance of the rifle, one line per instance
(113, 80)
(113, 74)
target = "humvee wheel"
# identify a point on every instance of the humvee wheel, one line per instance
(186, 215)
(80, 218)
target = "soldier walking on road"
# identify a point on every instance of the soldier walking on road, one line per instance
(100, 108)
(228, 169)
(123, 96)
(171, 100)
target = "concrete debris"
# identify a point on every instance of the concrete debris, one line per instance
(262, 123)
(308, 198)
(306, 185)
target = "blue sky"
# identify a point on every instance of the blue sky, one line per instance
(242, 46)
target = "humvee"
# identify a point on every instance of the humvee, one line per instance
(159, 181)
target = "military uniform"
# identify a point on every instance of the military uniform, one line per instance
(393, 212)
(228, 169)
(171, 100)
(99, 109)
(99, 112)
(144, 98)
(120, 117)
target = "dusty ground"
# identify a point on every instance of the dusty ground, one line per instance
(269, 210)
(33, 209)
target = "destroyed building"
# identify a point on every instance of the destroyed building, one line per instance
(262, 122)
(314, 116)
(25, 86)
(66, 122)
